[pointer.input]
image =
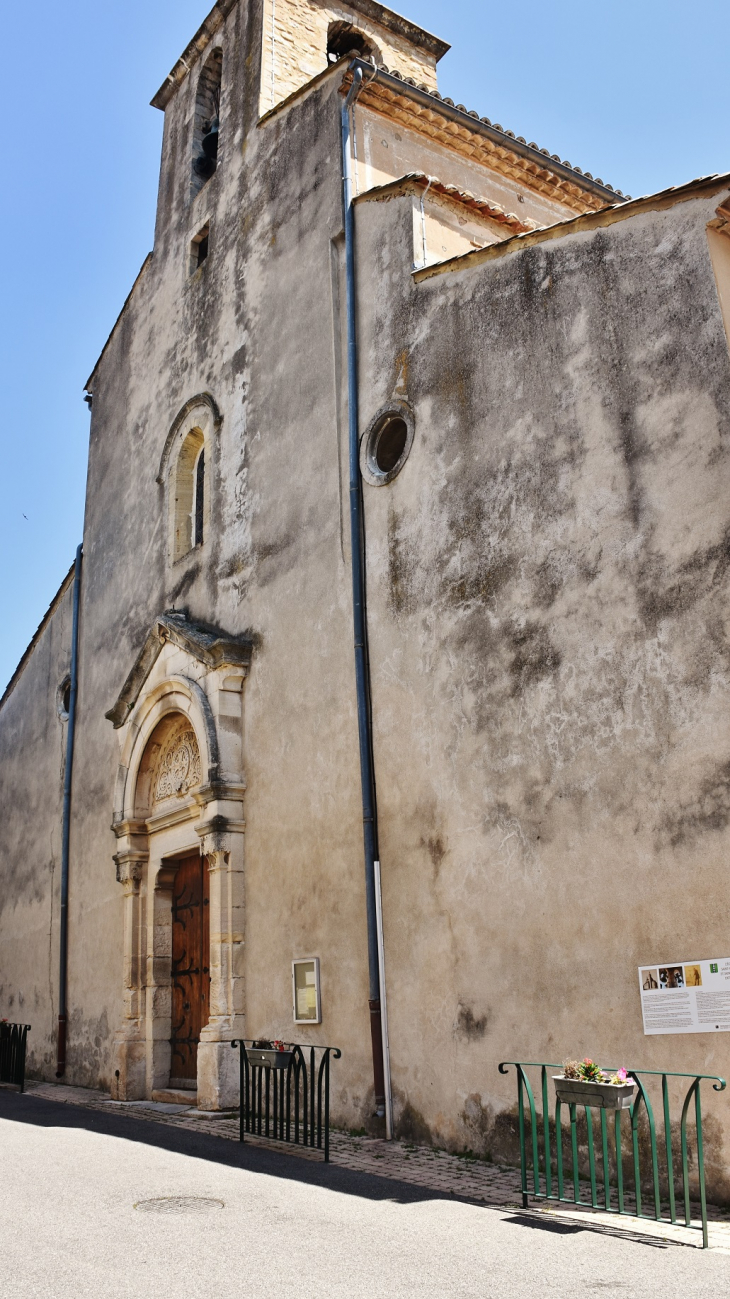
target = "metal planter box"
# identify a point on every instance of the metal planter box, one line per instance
(600, 1096)
(268, 1059)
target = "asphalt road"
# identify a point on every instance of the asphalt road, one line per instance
(230, 1221)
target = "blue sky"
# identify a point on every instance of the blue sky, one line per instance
(635, 92)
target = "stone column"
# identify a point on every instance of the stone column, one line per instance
(128, 1057)
(159, 976)
(218, 1065)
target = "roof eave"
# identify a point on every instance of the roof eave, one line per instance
(12, 683)
(394, 22)
(472, 122)
(89, 385)
(703, 186)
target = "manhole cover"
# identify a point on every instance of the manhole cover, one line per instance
(179, 1204)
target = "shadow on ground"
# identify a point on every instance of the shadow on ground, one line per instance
(42, 1113)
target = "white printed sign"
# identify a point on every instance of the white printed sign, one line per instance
(686, 997)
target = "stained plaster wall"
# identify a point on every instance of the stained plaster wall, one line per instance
(443, 229)
(254, 327)
(387, 150)
(545, 578)
(547, 585)
(32, 764)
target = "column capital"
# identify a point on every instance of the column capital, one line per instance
(130, 868)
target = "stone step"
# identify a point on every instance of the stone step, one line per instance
(175, 1096)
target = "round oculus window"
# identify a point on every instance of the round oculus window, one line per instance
(387, 444)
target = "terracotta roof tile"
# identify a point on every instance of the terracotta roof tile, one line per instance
(526, 152)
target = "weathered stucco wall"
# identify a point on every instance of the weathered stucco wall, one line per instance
(548, 640)
(547, 589)
(32, 763)
(254, 327)
(387, 150)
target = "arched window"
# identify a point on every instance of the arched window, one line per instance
(189, 499)
(343, 38)
(207, 121)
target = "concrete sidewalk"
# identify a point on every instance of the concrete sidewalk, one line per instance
(97, 1205)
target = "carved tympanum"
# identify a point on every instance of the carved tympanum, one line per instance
(178, 768)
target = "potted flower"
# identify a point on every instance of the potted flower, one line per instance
(586, 1083)
(269, 1055)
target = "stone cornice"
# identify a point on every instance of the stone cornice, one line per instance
(209, 645)
(192, 52)
(220, 791)
(174, 816)
(401, 26)
(129, 828)
(219, 825)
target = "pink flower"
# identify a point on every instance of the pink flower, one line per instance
(622, 1074)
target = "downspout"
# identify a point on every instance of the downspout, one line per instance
(362, 665)
(273, 48)
(66, 831)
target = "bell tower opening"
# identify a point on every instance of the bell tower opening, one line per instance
(343, 38)
(206, 123)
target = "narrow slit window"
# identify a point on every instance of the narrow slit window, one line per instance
(199, 499)
(199, 249)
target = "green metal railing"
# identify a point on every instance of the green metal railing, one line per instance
(547, 1172)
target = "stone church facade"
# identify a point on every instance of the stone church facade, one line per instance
(543, 396)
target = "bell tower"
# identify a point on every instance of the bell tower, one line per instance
(301, 38)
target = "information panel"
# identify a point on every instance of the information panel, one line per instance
(686, 996)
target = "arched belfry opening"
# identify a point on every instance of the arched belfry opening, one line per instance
(206, 124)
(343, 38)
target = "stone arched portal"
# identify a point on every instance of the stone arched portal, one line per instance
(179, 797)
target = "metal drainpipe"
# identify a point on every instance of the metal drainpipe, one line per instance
(63, 946)
(362, 665)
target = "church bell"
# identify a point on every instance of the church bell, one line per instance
(210, 140)
(205, 163)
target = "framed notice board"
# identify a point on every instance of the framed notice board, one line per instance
(305, 990)
(686, 996)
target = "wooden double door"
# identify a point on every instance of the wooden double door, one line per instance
(190, 967)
